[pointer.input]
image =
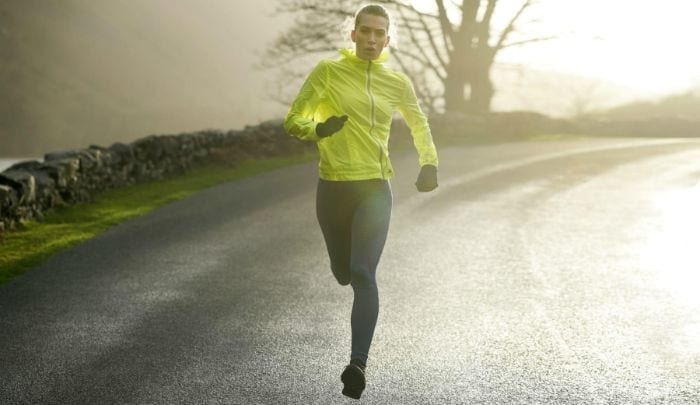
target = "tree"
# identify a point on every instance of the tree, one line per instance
(450, 52)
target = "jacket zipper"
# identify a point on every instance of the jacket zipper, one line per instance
(371, 127)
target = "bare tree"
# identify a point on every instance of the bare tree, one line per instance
(448, 53)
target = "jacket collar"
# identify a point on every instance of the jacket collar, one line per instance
(350, 55)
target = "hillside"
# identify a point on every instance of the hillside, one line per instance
(684, 106)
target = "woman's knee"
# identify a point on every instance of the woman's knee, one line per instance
(362, 278)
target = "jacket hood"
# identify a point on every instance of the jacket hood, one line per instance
(350, 54)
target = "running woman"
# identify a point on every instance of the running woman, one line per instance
(346, 106)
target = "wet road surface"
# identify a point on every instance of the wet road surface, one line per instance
(543, 272)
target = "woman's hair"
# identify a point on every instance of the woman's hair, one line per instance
(351, 23)
(373, 9)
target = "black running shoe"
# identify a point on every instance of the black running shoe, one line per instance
(354, 379)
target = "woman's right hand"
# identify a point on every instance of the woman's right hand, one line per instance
(332, 125)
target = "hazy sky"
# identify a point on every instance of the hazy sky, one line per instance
(644, 44)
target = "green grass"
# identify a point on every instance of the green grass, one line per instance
(67, 226)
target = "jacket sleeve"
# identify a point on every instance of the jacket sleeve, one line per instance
(418, 123)
(300, 117)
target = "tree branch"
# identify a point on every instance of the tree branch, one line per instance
(401, 5)
(427, 60)
(448, 32)
(433, 44)
(470, 8)
(511, 25)
(484, 30)
(435, 69)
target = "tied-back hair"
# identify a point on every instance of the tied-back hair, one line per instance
(373, 9)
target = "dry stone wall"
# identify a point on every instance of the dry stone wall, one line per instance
(29, 188)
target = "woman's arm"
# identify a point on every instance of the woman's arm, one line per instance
(415, 119)
(299, 121)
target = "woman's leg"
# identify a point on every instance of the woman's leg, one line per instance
(354, 218)
(370, 226)
(334, 213)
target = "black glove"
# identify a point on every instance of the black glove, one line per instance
(427, 178)
(332, 125)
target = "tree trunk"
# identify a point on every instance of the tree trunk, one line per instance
(454, 90)
(481, 92)
(457, 75)
(480, 102)
(479, 80)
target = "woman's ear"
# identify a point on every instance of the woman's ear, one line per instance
(352, 36)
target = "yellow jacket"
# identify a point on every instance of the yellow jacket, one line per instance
(369, 93)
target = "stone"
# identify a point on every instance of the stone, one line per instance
(46, 191)
(64, 172)
(148, 148)
(23, 182)
(122, 152)
(8, 200)
(26, 165)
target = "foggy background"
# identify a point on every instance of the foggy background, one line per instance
(76, 72)
(81, 72)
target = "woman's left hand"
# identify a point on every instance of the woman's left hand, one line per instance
(427, 179)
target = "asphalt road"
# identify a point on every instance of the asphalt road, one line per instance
(547, 272)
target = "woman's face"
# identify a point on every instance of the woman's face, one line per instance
(370, 36)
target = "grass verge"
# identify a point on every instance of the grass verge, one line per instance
(67, 226)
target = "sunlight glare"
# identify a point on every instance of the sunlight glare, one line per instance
(673, 252)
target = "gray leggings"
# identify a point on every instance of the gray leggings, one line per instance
(354, 218)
